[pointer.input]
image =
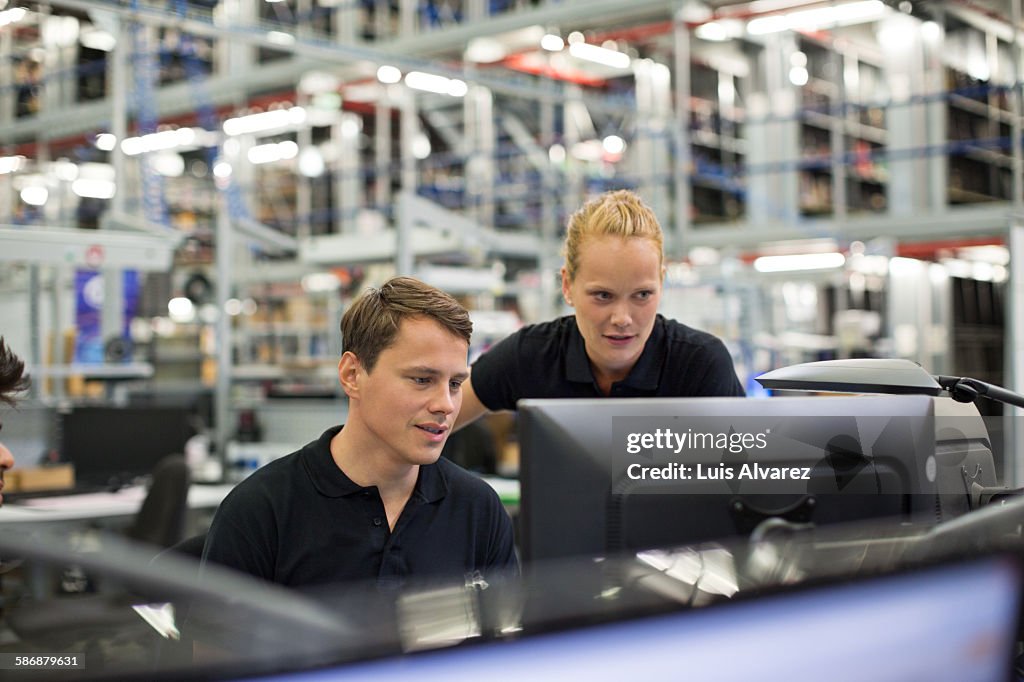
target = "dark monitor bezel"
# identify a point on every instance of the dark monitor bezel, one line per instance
(565, 497)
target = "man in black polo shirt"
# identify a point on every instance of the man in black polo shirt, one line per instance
(372, 499)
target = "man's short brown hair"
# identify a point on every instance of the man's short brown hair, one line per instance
(12, 374)
(370, 325)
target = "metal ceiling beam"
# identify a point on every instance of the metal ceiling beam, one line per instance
(989, 219)
(404, 52)
(176, 99)
(427, 43)
(87, 248)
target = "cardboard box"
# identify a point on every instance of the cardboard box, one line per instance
(58, 477)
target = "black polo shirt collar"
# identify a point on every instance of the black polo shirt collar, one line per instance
(330, 481)
(645, 373)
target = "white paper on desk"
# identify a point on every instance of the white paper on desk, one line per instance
(134, 494)
(160, 617)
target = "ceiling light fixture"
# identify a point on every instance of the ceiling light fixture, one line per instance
(428, 82)
(264, 121)
(600, 55)
(799, 261)
(819, 17)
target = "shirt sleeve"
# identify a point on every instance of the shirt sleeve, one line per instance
(719, 378)
(240, 536)
(496, 374)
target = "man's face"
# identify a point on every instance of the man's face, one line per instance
(616, 294)
(410, 399)
(6, 462)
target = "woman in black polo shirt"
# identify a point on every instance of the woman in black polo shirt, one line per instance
(616, 344)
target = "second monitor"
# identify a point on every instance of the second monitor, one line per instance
(584, 490)
(111, 447)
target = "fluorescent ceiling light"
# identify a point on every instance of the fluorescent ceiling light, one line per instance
(389, 74)
(421, 146)
(600, 55)
(873, 264)
(704, 255)
(166, 139)
(457, 88)
(222, 169)
(10, 164)
(931, 32)
(168, 164)
(819, 17)
(614, 145)
(275, 151)
(97, 171)
(311, 162)
(720, 31)
(97, 39)
(771, 24)
(552, 43)
(588, 150)
(12, 15)
(280, 38)
(315, 82)
(485, 50)
(989, 253)
(350, 127)
(106, 142)
(65, 170)
(319, 282)
(35, 195)
(428, 82)
(264, 121)
(181, 310)
(61, 31)
(93, 189)
(799, 261)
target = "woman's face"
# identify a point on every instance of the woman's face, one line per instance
(616, 294)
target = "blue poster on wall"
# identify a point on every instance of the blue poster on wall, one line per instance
(89, 291)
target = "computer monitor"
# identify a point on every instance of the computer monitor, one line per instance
(865, 457)
(199, 401)
(114, 446)
(952, 622)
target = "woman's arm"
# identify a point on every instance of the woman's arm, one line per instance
(472, 408)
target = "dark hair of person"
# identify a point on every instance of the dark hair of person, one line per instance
(370, 325)
(13, 379)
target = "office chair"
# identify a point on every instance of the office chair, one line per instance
(161, 518)
(160, 521)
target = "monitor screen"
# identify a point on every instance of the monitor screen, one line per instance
(954, 622)
(587, 491)
(112, 446)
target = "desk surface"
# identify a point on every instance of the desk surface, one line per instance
(124, 502)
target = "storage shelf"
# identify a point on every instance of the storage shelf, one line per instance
(132, 370)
